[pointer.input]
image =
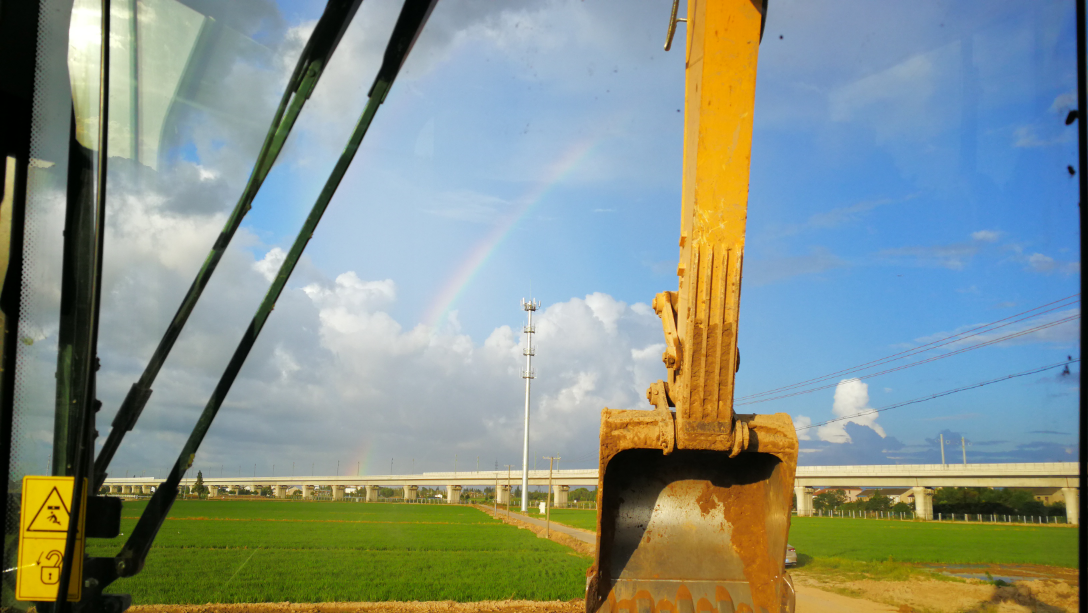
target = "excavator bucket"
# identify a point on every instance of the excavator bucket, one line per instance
(694, 505)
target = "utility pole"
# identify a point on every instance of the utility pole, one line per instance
(455, 465)
(530, 307)
(477, 463)
(942, 451)
(292, 469)
(963, 442)
(548, 498)
(509, 490)
(338, 468)
(358, 468)
(390, 465)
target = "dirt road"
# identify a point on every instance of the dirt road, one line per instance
(809, 600)
(812, 600)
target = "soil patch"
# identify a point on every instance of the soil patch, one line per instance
(971, 596)
(563, 539)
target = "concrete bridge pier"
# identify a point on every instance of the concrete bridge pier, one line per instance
(307, 492)
(372, 493)
(147, 489)
(279, 491)
(923, 503)
(115, 489)
(338, 492)
(411, 492)
(213, 491)
(804, 500)
(502, 495)
(453, 494)
(1072, 508)
(560, 496)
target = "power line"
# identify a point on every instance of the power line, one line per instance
(999, 339)
(989, 327)
(940, 394)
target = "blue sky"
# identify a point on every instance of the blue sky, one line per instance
(908, 182)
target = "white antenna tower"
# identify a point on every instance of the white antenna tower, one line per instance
(530, 306)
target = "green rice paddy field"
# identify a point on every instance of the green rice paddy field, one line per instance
(871, 540)
(275, 551)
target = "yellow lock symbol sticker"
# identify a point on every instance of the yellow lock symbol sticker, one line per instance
(50, 566)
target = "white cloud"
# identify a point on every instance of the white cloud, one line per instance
(902, 90)
(986, 236)
(1028, 136)
(1064, 102)
(1061, 333)
(270, 264)
(1044, 264)
(1041, 263)
(851, 402)
(605, 309)
(334, 372)
(801, 423)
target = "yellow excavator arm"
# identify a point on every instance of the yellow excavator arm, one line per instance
(694, 506)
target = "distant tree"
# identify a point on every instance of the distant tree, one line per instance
(266, 491)
(829, 500)
(987, 501)
(878, 502)
(582, 494)
(901, 507)
(199, 488)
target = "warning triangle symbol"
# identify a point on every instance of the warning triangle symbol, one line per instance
(52, 516)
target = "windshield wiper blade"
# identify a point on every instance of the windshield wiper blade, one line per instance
(315, 57)
(409, 24)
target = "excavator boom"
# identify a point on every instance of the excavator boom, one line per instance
(694, 505)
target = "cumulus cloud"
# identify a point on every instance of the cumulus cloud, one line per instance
(270, 264)
(334, 375)
(801, 423)
(851, 402)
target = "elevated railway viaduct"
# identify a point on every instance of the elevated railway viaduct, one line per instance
(1051, 477)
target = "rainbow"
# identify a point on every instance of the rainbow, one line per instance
(364, 460)
(482, 251)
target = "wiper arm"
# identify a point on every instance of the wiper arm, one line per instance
(315, 56)
(409, 24)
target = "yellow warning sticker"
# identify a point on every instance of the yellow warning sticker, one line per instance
(52, 516)
(43, 528)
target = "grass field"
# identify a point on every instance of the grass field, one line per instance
(310, 552)
(933, 542)
(586, 519)
(274, 551)
(819, 540)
